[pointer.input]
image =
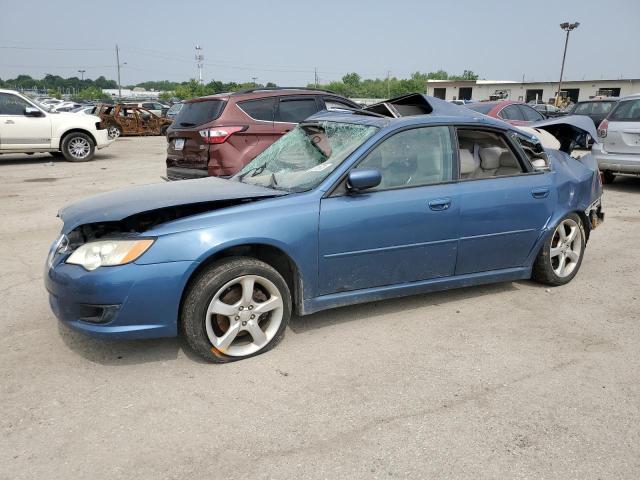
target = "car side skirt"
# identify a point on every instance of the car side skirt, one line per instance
(413, 288)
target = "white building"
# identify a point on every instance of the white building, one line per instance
(527, 91)
(136, 93)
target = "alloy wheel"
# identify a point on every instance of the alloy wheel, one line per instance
(244, 315)
(113, 132)
(79, 148)
(566, 248)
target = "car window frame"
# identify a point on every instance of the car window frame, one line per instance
(43, 112)
(515, 148)
(293, 98)
(515, 105)
(523, 107)
(338, 189)
(275, 101)
(325, 98)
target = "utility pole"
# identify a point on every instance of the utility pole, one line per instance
(315, 76)
(81, 72)
(388, 84)
(118, 62)
(199, 62)
(567, 27)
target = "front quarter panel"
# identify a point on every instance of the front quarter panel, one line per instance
(288, 223)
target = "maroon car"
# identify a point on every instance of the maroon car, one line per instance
(219, 134)
(515, 113)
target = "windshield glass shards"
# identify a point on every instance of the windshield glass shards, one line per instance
(300, 160)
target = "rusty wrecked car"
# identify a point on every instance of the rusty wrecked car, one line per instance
(127, 119)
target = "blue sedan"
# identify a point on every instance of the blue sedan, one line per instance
(409, 196)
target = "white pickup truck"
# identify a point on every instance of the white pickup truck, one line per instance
(26, 127)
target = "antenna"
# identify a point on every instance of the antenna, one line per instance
(200, 62)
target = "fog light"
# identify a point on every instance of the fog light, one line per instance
(98, 313)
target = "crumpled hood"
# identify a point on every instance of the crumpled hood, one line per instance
(569, 130)
(120, 204)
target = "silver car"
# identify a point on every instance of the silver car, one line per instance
(618, 152)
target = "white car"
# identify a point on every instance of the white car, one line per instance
(618, 152)
(156, 108)
(25, 127)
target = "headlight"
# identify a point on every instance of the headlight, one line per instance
(108, 253)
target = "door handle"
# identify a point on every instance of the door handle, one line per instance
(540, 192)
(439, 204)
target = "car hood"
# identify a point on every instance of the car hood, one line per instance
(120, 204)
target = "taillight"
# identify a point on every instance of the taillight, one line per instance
(220, 134)
(602, 128)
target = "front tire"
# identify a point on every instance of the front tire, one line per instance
(235, 309)
(78, 147)
(561, 255)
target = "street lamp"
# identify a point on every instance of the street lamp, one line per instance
(567, 27)
(81, 72)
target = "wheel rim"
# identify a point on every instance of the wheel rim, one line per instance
(244, 315)
(566, 247)
(114, 132)
(79, 147)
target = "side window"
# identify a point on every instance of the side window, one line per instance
(296, 110)
(534, 151)
(511, 112)
(333, 104)
(147, 105)
(261, 109)
(420, 156)
(485, 155)
(530, 114)
(12, 104)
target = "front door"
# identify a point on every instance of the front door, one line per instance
(404, 230)
(19, 131)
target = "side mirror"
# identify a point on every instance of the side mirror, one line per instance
(32, 112)
(359, 180)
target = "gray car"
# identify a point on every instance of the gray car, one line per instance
(618, 152)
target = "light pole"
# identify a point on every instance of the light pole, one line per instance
(81, 72)
(567, 27)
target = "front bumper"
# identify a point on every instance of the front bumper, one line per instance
(628, 163)
(102, 139)
(595, 214)
(180, 173)
(125, 302)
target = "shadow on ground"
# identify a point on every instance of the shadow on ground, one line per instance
(624, 185)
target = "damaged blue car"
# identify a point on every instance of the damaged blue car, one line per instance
(408, 196)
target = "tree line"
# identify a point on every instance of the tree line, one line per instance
(351, 85)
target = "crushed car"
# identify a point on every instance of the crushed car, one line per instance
(409, 196)
(127, 119)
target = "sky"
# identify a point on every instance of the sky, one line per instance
(285, 41)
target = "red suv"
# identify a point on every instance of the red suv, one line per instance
(219, 134)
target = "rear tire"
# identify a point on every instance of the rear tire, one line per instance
(235, 309)
(561, 254)
(78, 147)
(608, 177)
(114, 131)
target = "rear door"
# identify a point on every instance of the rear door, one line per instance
(291, 110)
(623, 135)
(260, 132)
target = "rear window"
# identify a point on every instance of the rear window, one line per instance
(483, 108)
(193, 114)
(626, 111)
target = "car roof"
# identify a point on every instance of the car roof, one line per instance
(631, 97)
(261, 93)
(593, 100)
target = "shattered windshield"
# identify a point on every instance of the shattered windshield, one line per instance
(304, 157)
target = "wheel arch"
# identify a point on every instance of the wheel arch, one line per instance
(269, 254)
(76, 130)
